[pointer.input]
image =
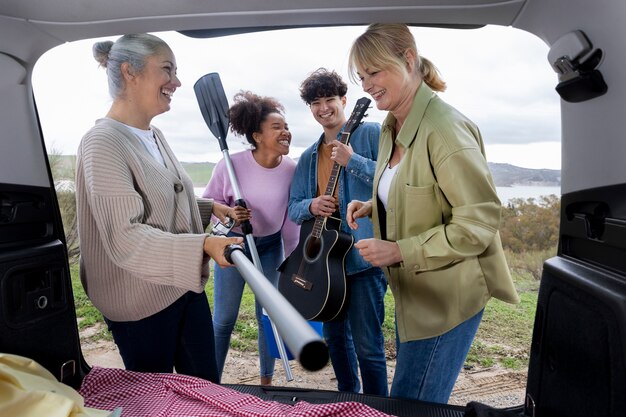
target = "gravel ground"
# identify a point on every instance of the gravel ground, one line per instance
(493, 386)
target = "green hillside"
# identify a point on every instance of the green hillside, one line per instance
(505, 175)
(200, 172)
(63, 169)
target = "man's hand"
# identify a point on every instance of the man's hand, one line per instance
(324, 205)
(357, 209)
(341, 153)
(214, 247)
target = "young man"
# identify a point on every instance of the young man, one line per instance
(358, 334)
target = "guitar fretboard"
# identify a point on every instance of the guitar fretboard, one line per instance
(355, 119)
(330, 189)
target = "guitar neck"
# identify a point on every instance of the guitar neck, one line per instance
(353, 122)
(334, 173)
(330, 188)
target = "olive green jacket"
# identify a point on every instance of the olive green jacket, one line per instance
(444, 213)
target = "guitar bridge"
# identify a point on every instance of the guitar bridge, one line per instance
(301, 282)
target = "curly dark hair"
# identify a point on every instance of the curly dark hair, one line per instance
(249, 111)
(322, 83)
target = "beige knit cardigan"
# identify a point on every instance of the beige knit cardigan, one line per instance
(140, 224)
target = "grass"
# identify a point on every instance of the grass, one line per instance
(63, 169)
(244, 336)
(199, 172)
(503, 337)
(88, 316)
(505, 332)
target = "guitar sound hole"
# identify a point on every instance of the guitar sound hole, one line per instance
(312, 248)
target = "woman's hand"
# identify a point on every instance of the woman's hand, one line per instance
(236, 213)
(220, 211)
(379, 252)
(357, 209)
(324, 205)
(214, 247)
(239, 214)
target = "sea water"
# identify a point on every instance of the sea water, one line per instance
(526, 192)
(505, 193)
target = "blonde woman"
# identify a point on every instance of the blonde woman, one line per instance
(435, 213)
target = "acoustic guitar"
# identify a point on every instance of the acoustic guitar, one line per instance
(313, 278)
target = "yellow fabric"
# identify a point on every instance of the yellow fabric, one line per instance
(27, 389)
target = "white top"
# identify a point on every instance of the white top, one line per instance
(148, 140)
(385, 184)
(141, 237)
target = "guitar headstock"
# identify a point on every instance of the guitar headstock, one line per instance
(357, 115)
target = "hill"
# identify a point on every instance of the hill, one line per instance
(507, 175)
(200, 172)
(63, 168)
(504, 175)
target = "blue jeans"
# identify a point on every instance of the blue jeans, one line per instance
(227, 293)
(358, 337)
(427, 369)
(178, 337)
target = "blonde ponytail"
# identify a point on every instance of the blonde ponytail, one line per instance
(430, 75)
(384, 45)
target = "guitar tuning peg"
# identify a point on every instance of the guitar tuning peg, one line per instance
(365, 115)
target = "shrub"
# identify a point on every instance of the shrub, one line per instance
(528, 225)
(67, 206)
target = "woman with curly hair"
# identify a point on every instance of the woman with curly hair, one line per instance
(264, 174)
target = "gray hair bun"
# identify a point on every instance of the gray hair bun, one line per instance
(101, 52)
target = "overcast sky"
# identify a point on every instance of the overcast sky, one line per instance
(499, 77)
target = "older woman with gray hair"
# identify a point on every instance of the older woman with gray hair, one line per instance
(144, 257)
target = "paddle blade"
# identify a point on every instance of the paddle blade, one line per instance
(213, 105)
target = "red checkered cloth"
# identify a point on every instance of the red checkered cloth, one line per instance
(174, 395)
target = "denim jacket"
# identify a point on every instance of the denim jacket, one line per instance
(355, 183)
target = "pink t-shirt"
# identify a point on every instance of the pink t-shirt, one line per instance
(265, 191)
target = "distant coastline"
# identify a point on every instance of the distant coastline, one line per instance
(507, 175)
(526, 191)
(504, 175)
